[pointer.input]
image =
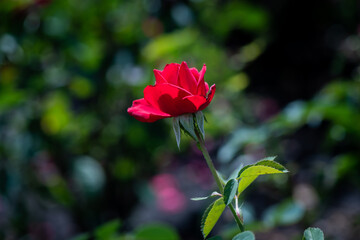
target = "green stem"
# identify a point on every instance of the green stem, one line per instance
(211, 165)
(201, 146)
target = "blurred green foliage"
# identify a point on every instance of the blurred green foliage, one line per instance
(71, 158)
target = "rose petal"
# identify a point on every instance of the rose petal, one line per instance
(159, 77)
(196, 101)
(186, 78)
(195, 73)
(201, 89)
(171, 73)
(144, 112)
(168, 98)
(206, 87)
(209, 98)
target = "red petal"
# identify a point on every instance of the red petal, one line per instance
(206, 87)
(144, 112)
(209, 98)
(186, 78)
(196, 101)
(172, 99)
(201, 89)
(171, 73)
(159, 77)
(195, 73)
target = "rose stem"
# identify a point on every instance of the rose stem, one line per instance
(201, 146)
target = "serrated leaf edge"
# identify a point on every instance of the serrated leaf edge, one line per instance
(279, 166)
(264, 173)
(205, 215)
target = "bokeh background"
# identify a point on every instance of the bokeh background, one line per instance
(74, 164)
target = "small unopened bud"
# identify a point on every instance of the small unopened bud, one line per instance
(240, 215)
(238, 210)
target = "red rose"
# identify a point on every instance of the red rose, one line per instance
(178, 90)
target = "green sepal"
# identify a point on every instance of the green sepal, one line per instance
(199, 119)
(187, 124)
(176, 127)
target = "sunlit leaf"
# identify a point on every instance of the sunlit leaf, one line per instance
(211, 216)
(270, 163)
(265, 166)
(244, 183)
(249, 173)
(257, 170)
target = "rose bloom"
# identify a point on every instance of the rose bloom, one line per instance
(178, 90)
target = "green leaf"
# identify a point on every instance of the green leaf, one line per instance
(243, 169)
(176, 127)
(247, 235)
(187, 123)
(107, 230)
(156, 232)
(211, 216)
(313, 234)
(265, 162)
(256, 170)
(273, 164)
(230, 191)
(214, 194)
(244, 183)
(200, 122)
(249, 173)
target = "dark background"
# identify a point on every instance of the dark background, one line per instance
(71, 158)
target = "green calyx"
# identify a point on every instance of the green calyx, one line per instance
(191, 124)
